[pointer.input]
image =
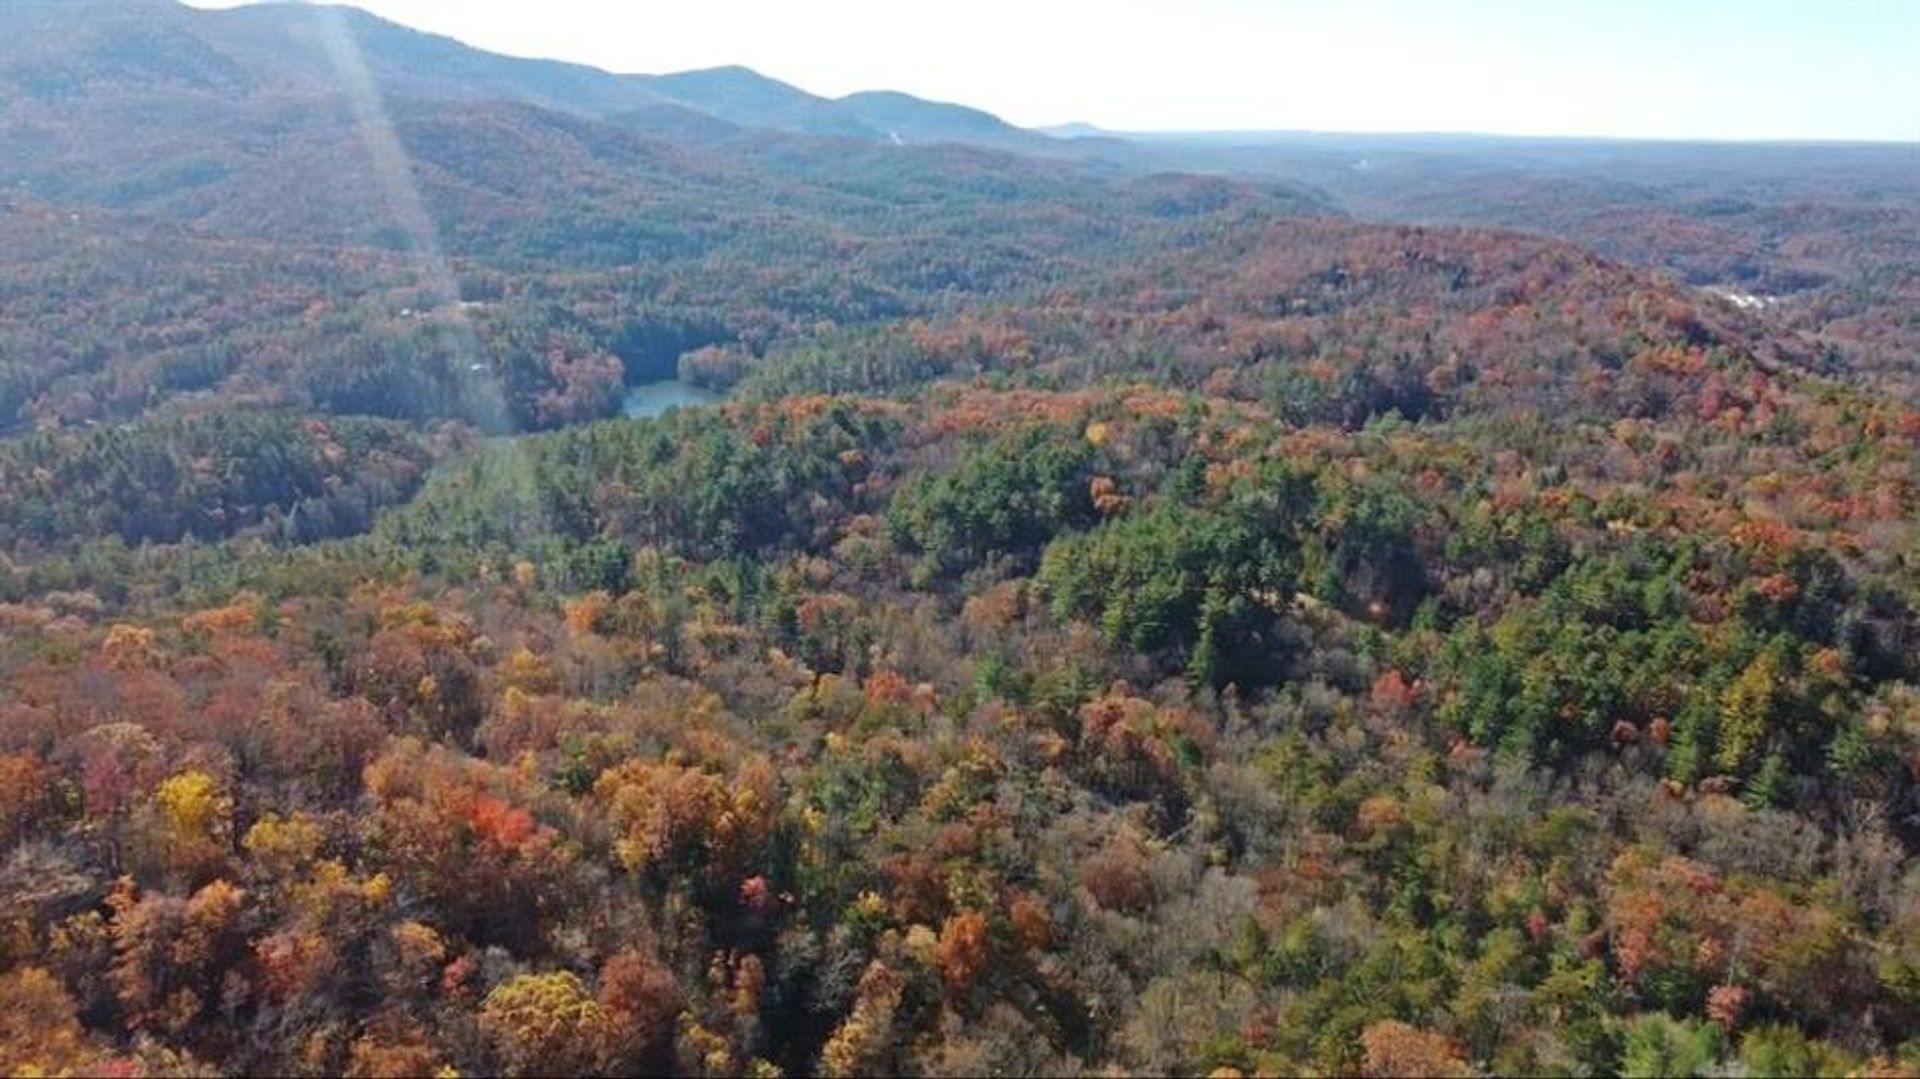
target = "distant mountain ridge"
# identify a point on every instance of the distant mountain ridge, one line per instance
(67, 50)
(255, 119)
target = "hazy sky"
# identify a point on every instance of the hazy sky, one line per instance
(1729, 69)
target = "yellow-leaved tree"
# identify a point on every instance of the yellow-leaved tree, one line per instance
(1745, 710)
(545, 1024)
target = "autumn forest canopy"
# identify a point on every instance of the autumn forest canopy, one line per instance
(1336, 605)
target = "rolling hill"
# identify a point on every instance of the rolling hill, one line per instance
(1216, 605)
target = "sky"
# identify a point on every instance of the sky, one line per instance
(1714, 69)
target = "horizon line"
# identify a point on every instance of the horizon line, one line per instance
(1099, 130)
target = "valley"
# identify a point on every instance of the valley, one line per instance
(519, 569)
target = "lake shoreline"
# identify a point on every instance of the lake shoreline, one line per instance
(645, 400)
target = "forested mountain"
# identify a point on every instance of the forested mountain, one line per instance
(1288, 606)
(152, 103)
(1821, 238)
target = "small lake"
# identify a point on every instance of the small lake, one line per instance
(653, 398)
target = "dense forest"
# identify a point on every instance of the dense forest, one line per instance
(1144, 607)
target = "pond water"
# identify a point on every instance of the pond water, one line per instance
(652, 398)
